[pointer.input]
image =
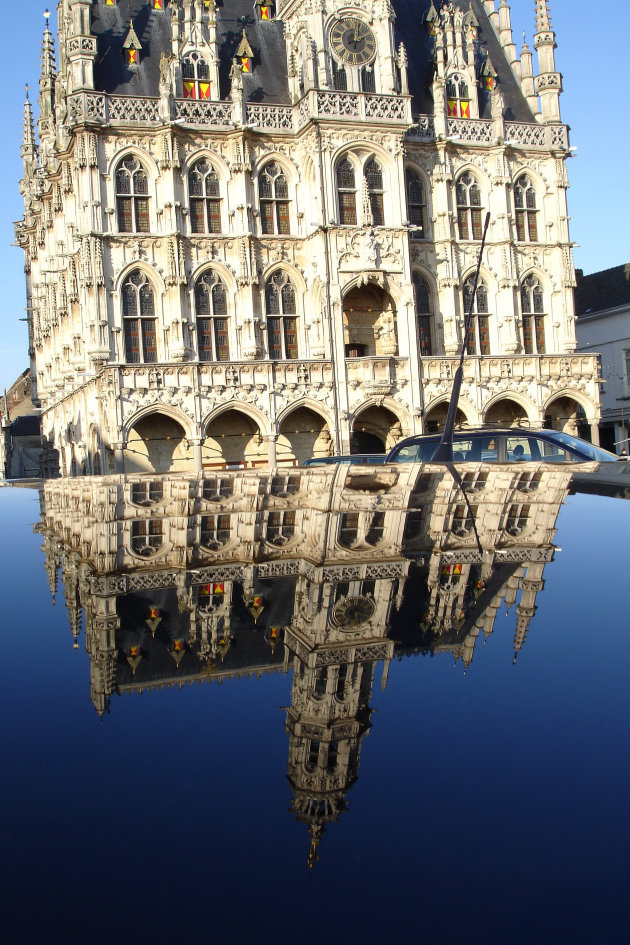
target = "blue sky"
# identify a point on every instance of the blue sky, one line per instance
(599, 197)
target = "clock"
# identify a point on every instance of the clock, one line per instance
(352, 41)
(352, 612)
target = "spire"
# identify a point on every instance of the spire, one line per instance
(48, 52)
(29, 147)
(543, 17)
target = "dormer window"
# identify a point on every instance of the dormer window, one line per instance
(457, 97)
(195, 77)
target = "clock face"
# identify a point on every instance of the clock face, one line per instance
(353, 611)
(352, 41)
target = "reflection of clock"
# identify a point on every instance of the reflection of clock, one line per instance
(352, 41)
(353, 611)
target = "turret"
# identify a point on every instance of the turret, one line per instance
(80, 46)
(548, 81)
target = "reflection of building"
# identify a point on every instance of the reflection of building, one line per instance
(249, 237)
(602, 304)
(188, 579)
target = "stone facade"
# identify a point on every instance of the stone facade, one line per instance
(247, 243)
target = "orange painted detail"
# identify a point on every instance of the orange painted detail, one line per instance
(204, 90)
(246, 64)
(153, 613)
(132, 57)
(274, 633)
(256, 601)
(218, 588)
(158, 4)
(134, 650)
(465, 109)
(452, 110)
(457, 569)
(205, 590)
(178, 646)
(190, 90)
(264, 13)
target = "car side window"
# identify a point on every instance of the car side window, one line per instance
(551, 453)
(521, 449)
(488, 448)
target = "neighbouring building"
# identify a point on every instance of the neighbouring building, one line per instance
(20, 437)
(251, 230)
(602, 306)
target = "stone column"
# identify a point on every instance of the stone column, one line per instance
(119, 458)
(594, 433)
(271, 449)
(196, 445)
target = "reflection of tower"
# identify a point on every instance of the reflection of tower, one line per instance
(336, 638)
(328, 716)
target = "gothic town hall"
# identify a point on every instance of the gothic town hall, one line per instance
(250, 230)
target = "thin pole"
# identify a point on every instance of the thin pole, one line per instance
(444, 450)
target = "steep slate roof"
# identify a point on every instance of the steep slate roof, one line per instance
(600, 291)
(268, 81)
(410, 30)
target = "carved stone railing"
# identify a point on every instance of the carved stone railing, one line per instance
(354, 106)
(422, 128)
(471, 130)
(192, 112)
(101, 108)
(292, 374)
(532, 135)
(271, 117)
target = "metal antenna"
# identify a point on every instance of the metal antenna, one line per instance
(444, 450)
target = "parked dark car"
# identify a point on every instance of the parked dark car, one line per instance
(507, 445)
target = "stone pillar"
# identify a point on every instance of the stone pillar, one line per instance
(594, 433)
(196, 445)
(271, 449)
(119, 458)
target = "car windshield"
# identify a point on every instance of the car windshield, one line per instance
(581, 446)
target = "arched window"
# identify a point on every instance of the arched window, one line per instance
(374, 181)
(273, 191)
(526, 212)
(478, 340)
(346, 187)
(468, 207)
(212, 322)
(139, 319)
(195, 77)
(416, 205)
(147, 537)
(281, 317)
(457, 97)
(533, 311)
(368, 79)
(205, 205)
(424, 314)
(340, 78)
(216, 530)
(132, 196)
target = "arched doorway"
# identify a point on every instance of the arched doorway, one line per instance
(436, 418)
(507, 413)
(375, 430)
(369, 323)
(567, 415)
(303, 435)
(233, 440)
(157, 443)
